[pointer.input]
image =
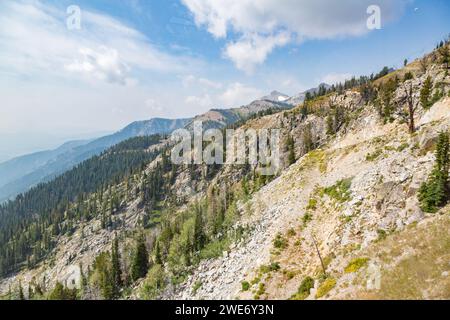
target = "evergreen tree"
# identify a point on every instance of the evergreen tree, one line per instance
(199, 235)
(425, 93)
(291, 150)
(116, 273)
(435, 192)
(21, 295)
(139, 265)
(157, 255)
(444, 52)
(30, 292)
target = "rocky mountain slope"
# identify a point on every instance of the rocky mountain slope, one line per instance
(341, 220)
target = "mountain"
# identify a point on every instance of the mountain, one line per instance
(276, 96)
(220, 118)
(352, 212)
(20, 174)
(300, 97)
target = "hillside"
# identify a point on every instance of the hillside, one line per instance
(341, 220)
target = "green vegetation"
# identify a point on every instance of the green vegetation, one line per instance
(274, 266)
(356, 264)
(374, 155)
(408, 76)
(156, 281)
(340, 191)
(312, 204)
(245, 285)
(435, 192)
(403, 146)
(291, 150)
(280, 242)
(62, 293)
(31, 222)
(261, 291)
(197, 285)
(304, 289)
(139, 265)
(325, 287)
(307, 217)
(385, 100)
(382, 234)
(425, 93)
(335, 119)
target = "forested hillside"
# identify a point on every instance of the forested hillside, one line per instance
(29, 223)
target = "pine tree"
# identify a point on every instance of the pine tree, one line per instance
(291, 150)
(425, 93)
(116, 273)
(30, 292)
(435, 192)
(157, 255)
(445, 55)
(21, 295)
(199, 235)
(139, 266)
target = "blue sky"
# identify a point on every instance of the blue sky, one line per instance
(133, 60)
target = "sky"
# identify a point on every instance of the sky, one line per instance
(137, 59)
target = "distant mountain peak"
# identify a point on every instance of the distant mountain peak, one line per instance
(276, 96)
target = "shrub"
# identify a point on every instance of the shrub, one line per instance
(340, 191)
(408, 76)
(356, 264)
(402, 147)
(245, 285)
(304, 289)
(325, 287)
(154, 282)
(307, 217)
(291, 232)
(312, 204)
(197, 285)
(274, 266)
(374, 155)
(381, 234)
(280, 242)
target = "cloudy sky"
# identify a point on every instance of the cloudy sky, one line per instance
(133, 60)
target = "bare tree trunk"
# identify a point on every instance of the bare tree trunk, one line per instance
(318, 253)
(411, 109)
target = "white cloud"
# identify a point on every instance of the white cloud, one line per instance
(271, 20)
(203, 101)
(238, 94)
(34, 41)
(191, 80)
(252, 50)
(104, 64)
(335, 78)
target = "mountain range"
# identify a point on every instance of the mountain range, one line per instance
(20, 174)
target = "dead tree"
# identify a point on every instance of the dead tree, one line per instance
(318, 253)
(408, 99)
(411, 109)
